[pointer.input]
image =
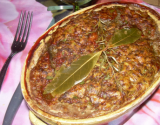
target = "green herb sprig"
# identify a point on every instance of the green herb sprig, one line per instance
(79, 70)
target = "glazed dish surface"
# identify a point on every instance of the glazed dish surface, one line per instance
(112, 84)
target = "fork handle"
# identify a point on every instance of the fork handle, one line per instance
(4, 68)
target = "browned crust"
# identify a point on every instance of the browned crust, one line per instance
(108, 117)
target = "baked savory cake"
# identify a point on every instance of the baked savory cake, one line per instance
(121, 74)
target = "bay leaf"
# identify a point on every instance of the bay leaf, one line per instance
(49, 77)
(124, 36)
(48, 89)
(72, 75)
(65, 78)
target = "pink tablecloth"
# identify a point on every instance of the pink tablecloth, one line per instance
(149, 114)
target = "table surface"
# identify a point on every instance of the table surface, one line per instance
(147, 114)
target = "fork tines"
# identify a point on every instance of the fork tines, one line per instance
(24, 25)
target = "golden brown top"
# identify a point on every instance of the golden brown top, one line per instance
(127, 73)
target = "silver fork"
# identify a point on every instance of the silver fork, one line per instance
(19, 42)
